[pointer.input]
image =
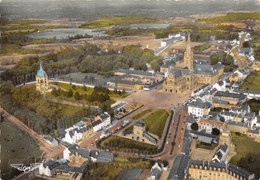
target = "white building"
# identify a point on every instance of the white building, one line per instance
(49, 168)
(106, 119)
(156, 172)
(220, 85)
(199, 108)
(73, 135)
(255, 122)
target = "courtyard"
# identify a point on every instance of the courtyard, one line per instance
(156, 98)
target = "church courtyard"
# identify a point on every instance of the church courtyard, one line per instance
(156, 98)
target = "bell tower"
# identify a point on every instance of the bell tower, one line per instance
(42, 81)
(188, 55)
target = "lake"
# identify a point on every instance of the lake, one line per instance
(63, 33)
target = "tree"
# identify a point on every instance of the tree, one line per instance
(215, 131)
(84, 88)
(77, 96)
(70, 93)
(194, 126)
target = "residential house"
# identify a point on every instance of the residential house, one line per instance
(73, 135)
(76, 154)
(199, 108)
(208, 125)
(105, 118)
(51, 140)
(97, 125)
(231, 116)
(156, 172)
(221, 153)
(220, 85)
(227, 100)
(53, 167)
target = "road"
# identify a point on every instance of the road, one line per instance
(174, 137)
(241, 60)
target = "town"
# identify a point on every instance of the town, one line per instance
(174, 107)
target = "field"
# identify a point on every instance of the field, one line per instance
(233, 16)
(138, 116)
(244, 145)
(252, 82)
(89, 90)
(29, 97)
(127, 145)
(117, 20)
(156, 121)
(109, 171)
(17, 147)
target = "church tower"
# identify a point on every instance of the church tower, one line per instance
(188, 55)
(42, 82)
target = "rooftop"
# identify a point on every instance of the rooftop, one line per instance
(178, 169)
(41, 72)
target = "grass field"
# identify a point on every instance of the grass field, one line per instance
(109, 171)
(29, 97)
(89, 90)
(117, 20)
(233, 16)
(127, 145)
(17, 147)
(138, 116)
(252, 82)
(156, 121)
(244, 145)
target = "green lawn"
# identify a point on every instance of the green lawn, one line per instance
(109, 171)
(156, 121)
(89, 90)
(117, 20)
(127, 145)
(29, 97)
(252, 82)
(142, 114)
(244, 145)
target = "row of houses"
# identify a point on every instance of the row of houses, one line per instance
(85, 129)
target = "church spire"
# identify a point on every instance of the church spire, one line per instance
(188, 55)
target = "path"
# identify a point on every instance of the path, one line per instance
(241, 60)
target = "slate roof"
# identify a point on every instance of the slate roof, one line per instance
(135, 72)
(201, 68)
(105, 156)
(180, 72)
(121, 81)
(228, 167)
(76, 149)
(228, 94)
(179, 167)
(200, 104)
(52, 164)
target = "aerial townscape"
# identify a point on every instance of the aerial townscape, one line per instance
(129, 90)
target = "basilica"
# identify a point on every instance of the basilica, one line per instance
(186, 75)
